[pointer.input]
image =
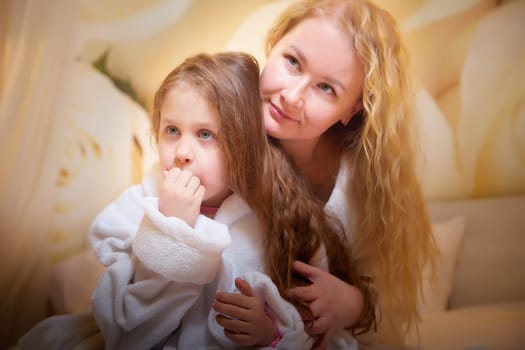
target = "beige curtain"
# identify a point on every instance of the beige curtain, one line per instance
(36, 46)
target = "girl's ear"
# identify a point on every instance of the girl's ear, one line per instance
(355, 109)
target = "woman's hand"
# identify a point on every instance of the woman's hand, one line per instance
(243, 316)
(334, 304)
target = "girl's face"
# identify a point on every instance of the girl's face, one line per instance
(312, 80)
(187, 139)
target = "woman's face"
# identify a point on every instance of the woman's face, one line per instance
(312, 80)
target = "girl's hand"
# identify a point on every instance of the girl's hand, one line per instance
(334, 304)
(242, 316)
(181, 195)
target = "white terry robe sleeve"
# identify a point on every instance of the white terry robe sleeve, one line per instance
(288, 320)
(173, 249)
(138, 303)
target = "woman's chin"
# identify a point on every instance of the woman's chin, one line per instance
(273, 128)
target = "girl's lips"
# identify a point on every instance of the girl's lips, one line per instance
(278, 114)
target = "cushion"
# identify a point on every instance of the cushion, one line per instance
(437, 289)
(491, 326)
(489, 268)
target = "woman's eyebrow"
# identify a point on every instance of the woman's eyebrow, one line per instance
(303, 59)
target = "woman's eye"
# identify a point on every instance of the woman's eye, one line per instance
(171, 130)
(327, 88)
(205, 134)
(293, 61)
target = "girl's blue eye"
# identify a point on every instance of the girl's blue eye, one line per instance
(205, 134)
(171, 130)
(327, 88)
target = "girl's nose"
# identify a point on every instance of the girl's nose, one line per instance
(293, 93)
(183, 153)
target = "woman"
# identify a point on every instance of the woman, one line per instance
(336, 100)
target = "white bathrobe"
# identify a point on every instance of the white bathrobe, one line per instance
(162, 275)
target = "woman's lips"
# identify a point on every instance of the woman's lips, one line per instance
(278, 114)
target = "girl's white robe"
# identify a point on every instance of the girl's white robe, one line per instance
(162, 276)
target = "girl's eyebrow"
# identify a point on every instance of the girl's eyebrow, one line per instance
(199, 125)
(330, 80)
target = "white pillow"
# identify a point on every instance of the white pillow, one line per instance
(448, 235)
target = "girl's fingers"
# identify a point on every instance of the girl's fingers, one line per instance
(232, 324)
(186, 181)
(193, 184)
(183, 179)
(244, 287)
(172, 174)
(239, 338)
(233, 299)
(199, 194)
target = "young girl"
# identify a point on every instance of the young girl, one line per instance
(222, 203)
(336, 99)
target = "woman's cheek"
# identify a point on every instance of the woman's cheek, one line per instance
(271, 78)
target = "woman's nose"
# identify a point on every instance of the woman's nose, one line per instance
(293, 94)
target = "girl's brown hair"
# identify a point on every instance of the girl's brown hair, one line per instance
(392, 238)
(294, 221)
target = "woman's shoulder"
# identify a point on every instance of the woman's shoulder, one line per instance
(338, 205)
(339, 192)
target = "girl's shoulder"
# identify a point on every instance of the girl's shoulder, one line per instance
(232, 209)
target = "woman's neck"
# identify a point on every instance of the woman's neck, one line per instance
(317, 160)
(302, 152)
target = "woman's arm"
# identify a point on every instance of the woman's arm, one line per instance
(335, 304)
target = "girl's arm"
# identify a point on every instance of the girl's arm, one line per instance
(141, 298)
(247, 324)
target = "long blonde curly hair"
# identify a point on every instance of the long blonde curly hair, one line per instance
(392, 238)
